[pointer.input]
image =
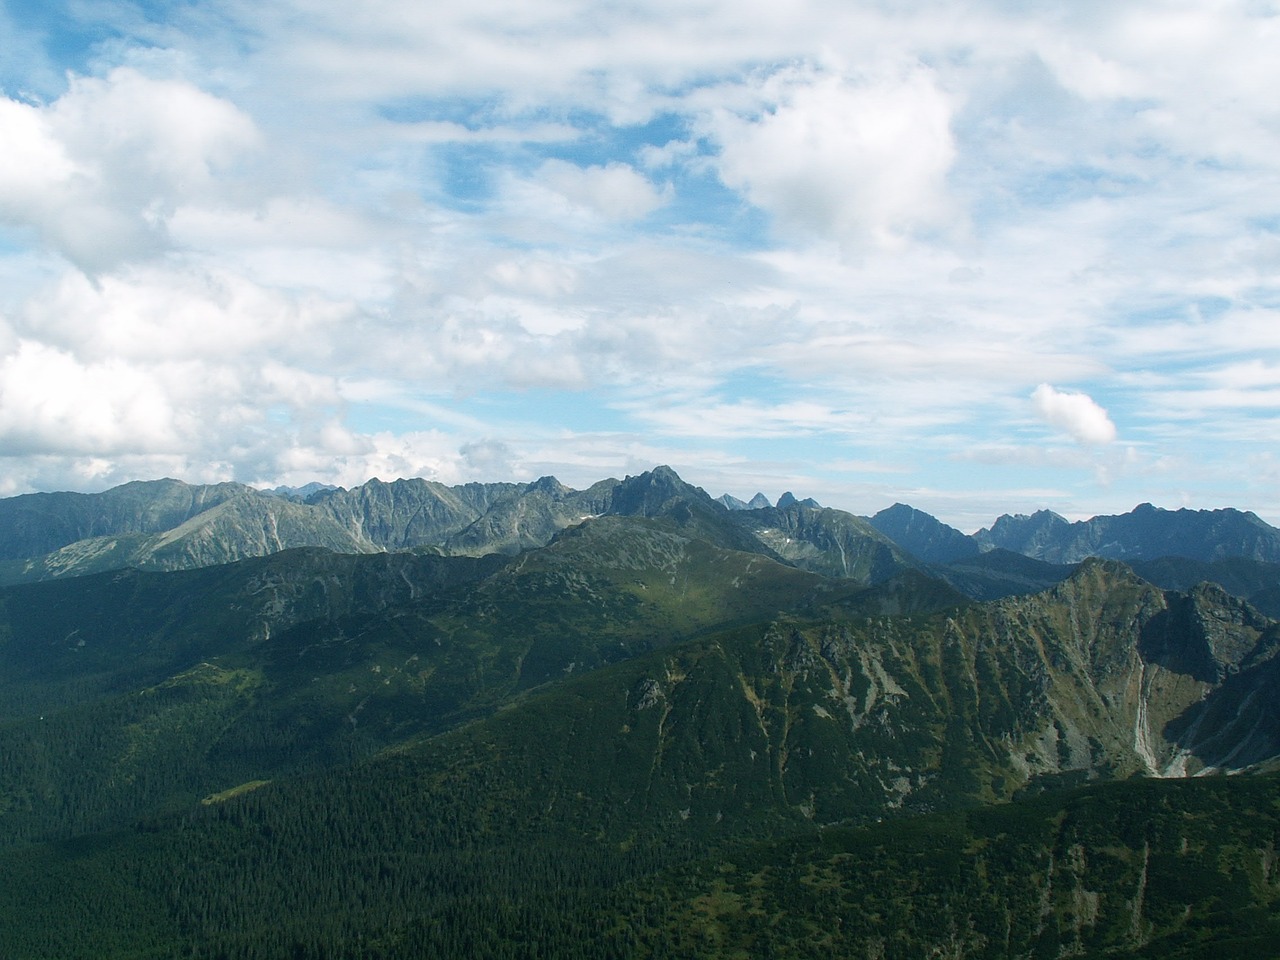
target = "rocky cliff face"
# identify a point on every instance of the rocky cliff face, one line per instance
(409, 513)
(1128, 664)
(826, 541)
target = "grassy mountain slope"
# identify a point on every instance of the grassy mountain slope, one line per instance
(245, 525)
(39, 523)
(1000, 573)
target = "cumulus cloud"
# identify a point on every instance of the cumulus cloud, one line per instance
(155, 365)
(614, 191)
(52, 403)
(98, 173)
(1076, 414)
(857, 159)
(154, 312)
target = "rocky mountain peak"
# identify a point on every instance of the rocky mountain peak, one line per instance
(1145, 533)
(1108, 593)
(789, 500)
(548, 485)
(648, 493)
(1206, 633)
(1103, 573)
(922, 535)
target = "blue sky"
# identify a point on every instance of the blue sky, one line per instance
(977, 257)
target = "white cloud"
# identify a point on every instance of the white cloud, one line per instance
(51, 403)
(338, 199)
(711, 419)
(98, 173)
(614, 191)
(1076, 414)
(855, 159)
(1195, 68)
(156, 312)
(33, 158)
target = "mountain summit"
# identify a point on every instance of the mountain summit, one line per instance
(923, 536)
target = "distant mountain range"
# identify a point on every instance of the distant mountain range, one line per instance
(170, 525)
(1146, 533)
(414, 720)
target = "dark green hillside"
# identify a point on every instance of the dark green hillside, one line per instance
(136, 692)
(660, 578)
(129, 693)
(821, 702)
(1140, 869)
(63, 643)
(632, 741)
(1001, 573)
(466, 849)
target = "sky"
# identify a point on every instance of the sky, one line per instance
(980, 257)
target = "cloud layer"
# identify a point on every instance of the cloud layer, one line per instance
(832, 249)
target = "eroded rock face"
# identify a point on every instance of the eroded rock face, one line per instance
(847, 719)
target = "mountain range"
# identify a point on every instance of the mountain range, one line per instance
(169, 525)
(505, 720)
